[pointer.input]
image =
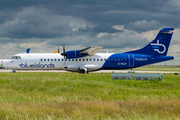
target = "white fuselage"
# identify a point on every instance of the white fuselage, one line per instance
(55, 61)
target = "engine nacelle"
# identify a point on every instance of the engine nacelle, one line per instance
(75, 54)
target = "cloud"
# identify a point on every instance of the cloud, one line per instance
(127, 38)
(39, 23)
(143, 25)
(100, 28)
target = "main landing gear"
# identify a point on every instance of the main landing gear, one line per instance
(85, 71)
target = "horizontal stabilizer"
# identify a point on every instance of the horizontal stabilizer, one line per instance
(167, 29)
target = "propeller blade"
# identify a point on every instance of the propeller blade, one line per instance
(58, 49)
(64, 52)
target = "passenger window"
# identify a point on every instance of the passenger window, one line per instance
(62, 59)
(51, 59)
(58, 59)
(111, 59)
(97, 59)
(72, 59)
(76, 59)
(86, 59)
(79, 59)
(54, 59)
(101, 59)
(47, 59)
(69, 59)
(83, 59)
(104, 59)
(41, 59)
(118, 59)
(90, 59)
(114, 59)
(44, 59)
(65, 59)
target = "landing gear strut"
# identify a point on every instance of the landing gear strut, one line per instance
(14, 71)
(85, 71)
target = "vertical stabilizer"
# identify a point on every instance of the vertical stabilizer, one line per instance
(160, 45)
(27, 51)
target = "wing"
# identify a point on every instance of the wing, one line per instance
(90, 50)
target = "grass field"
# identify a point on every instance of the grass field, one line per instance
(87, 96)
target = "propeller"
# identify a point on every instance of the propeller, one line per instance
(64, 52)
(58, 49)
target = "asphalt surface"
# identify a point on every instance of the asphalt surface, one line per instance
(101, 71)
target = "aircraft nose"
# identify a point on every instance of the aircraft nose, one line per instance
(1, 64)
(4, 64)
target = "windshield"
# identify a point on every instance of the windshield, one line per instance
(16, 57)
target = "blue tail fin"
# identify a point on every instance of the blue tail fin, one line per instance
(27, 51)
(159, 46)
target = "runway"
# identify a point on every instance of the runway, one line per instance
(100, 71)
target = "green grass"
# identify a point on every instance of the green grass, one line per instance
(87, 96)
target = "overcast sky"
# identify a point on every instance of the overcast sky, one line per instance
(115, 25)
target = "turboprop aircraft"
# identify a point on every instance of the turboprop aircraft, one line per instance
(87, 60)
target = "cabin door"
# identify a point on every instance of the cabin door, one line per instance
(131, 60)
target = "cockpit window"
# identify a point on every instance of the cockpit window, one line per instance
(16, 57)
(13, 57)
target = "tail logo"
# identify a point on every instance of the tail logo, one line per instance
(156, 47)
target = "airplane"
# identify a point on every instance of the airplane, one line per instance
(87, 60)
